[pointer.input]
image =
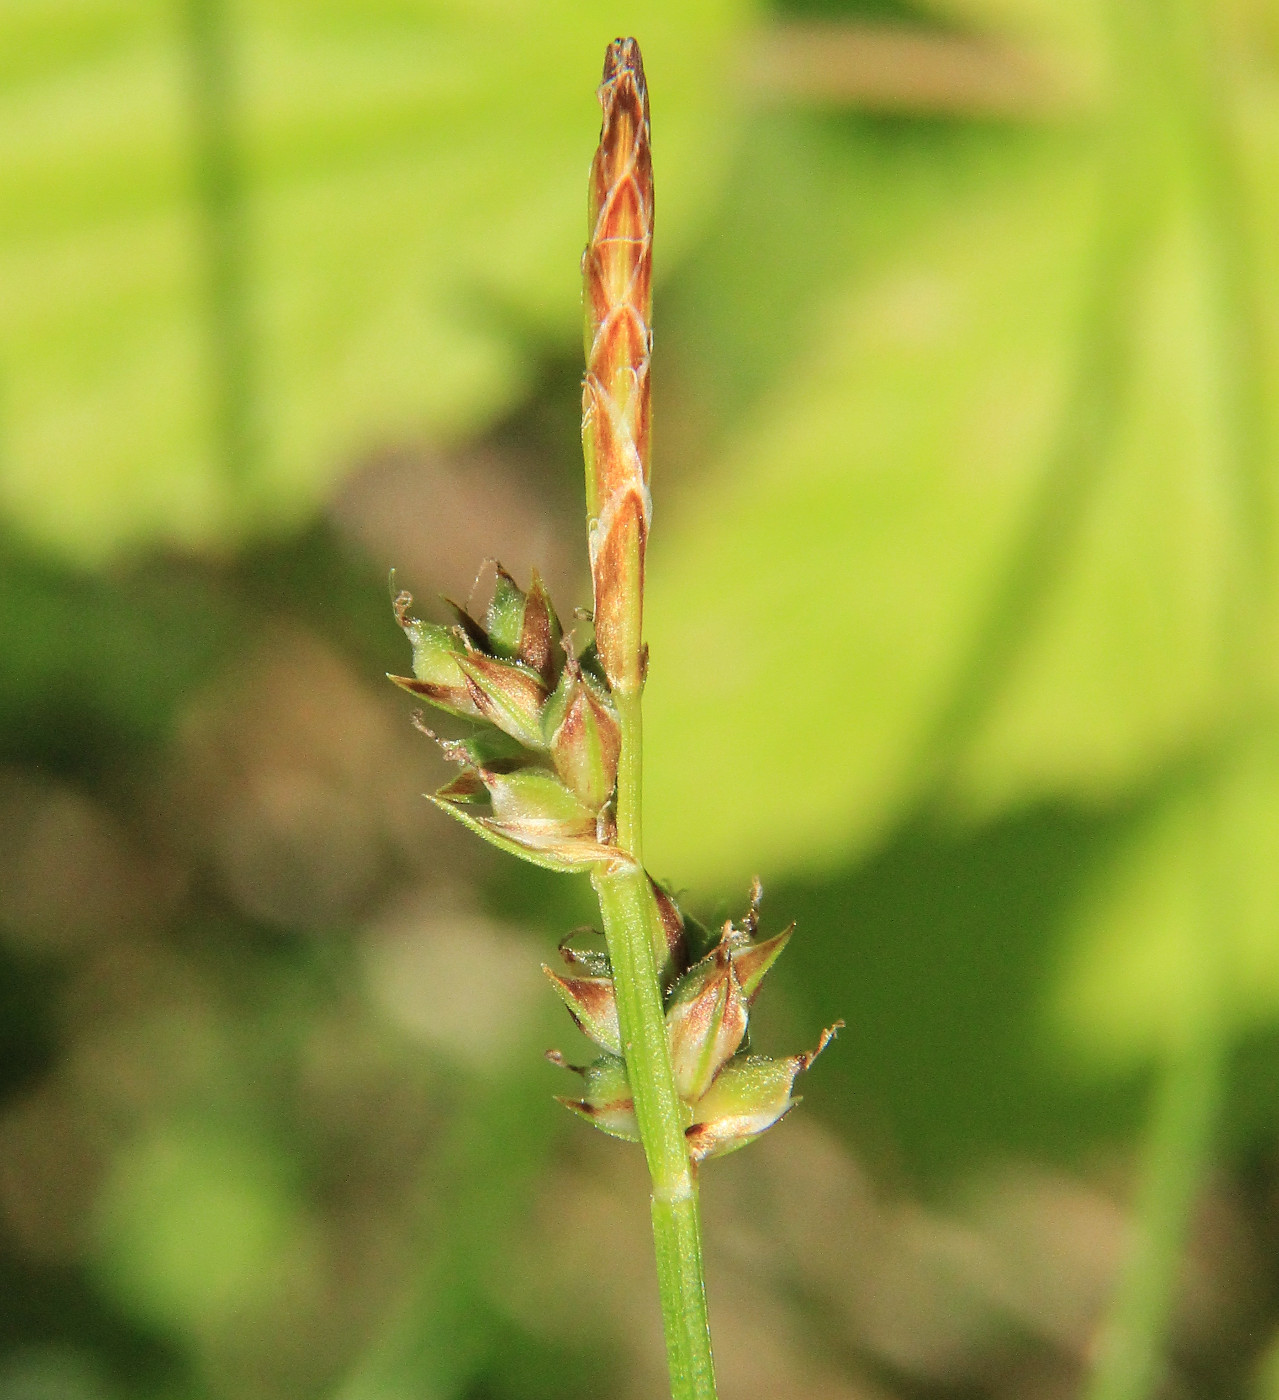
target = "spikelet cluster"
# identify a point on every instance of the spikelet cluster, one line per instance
(729, 1095)
(538, 772)
(537, 778)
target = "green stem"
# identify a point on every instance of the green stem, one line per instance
(632, 928)
(1132, 1350)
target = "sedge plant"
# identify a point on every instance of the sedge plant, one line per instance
(551, 772)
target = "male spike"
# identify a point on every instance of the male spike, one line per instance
(617, 291)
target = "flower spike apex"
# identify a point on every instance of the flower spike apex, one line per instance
(617, 296)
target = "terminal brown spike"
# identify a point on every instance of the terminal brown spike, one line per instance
(617, 272)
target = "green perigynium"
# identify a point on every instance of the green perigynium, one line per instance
(538, 773)
(707, 1017)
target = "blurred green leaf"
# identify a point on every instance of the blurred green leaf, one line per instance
(194, 1223)
(1178, 934)
(1078, 29)
(446, 1330)
(449, 1334)
(940, 949)
(1004, 527)
(51, 1373)
(96, 666)
(1159, 623)
(397, 200)
(812, 600)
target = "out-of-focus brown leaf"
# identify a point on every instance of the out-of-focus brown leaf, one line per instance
(435, 519)
(299, 786)
(70, 873)
(454, 980)
(52, 1158)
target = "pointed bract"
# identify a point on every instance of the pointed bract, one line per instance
(533, 815)
(752, 961)
(456, 699)
(606, 1100)
(434, 647)
(592, 1003)
(465, 628)
(540, 645)
(468, 786)
(588, 962)
(437, 677)
(435, 653)
(673, 930)
(547, 846)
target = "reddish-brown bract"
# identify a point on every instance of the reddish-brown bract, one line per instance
(617, 271)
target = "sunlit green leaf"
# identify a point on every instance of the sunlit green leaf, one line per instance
(1135, 655)
(413, 186)
(1178, 935)
(194, 1223)
(1005, 528)
(814, 597)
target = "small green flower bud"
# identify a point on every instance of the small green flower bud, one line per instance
(705, 1022)
(523, 626)
(434, 647)
(533, 815)
(485, 748)
(586, 741)
(748, 1096)
(535, 798)
(437, 675)
(504, 620)
(592, 1003)
(435, 653)
(606, 1099)
(507, 695)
